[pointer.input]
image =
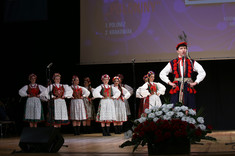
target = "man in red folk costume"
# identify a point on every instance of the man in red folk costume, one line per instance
(182, 68)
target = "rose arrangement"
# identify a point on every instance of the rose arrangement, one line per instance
(168, 123)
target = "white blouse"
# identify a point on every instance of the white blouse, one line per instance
(97, 90)
(129, 88)
(92, 89)
(125, 92)
(68, 92)
(144, 92)
(23, 90)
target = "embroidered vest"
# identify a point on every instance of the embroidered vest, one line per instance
(152, 88)
(58, 92)
(33, 91)
(77, 93)
(106, 92)
(175, 66)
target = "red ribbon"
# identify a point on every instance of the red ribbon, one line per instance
(106, 90)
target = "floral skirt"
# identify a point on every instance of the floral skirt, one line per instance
(57, 112)
(106, 111)
(77, 110)
(128, 110)
(90, 109)
(33, 110)
(120, 110)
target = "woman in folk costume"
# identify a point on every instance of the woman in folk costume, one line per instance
(77, 106)
(106, 110)
(120, 107)
(89, 106)
(142, 105)
(182, 68)
(130, 90)
(152, 90)
(33, 108)
(57, 108)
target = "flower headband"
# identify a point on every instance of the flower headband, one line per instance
(150, 73)
(74, 77)
(87, 79)
(56, 75)
(105, 76)
(121, 76)
(145, 77)
(116, 77)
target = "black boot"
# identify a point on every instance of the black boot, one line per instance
(75, 130)
(104, 132)
(120, 129)
(78, 130)
(116, 129)
(85, 129)
(108, 134)
(88, 129)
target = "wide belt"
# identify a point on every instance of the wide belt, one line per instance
(182, 80)
(186, 79)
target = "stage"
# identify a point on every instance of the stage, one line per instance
(96, 144)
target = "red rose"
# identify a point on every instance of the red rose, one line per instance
(209, 127)
(192, 126)
(198, 132)
(153, 126)
(134, 136)
(177, 134)
(158, 132)
(141, 134)
(167, 135)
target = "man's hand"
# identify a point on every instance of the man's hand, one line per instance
(172, 84)
(192, 84)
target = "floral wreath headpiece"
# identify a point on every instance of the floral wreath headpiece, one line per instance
(105, 76)
(116, 77)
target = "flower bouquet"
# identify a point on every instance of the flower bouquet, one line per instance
(169, 129)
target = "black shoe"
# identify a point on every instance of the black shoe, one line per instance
(74, 130)
(85, 130)
(116, 129)
(120, 129)
(104, 132)
(88, 129)
(108, 134)
(78, 130)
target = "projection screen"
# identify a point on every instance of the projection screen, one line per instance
(117, 31)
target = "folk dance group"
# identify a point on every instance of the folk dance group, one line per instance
(113, 106)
